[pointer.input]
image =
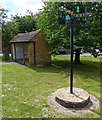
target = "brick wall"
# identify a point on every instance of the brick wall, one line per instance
(31, 54)
(42, 49)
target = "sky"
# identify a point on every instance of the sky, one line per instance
(20, 6)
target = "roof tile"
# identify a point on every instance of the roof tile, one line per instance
(24, 37)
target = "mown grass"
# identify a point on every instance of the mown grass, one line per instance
(25, 90)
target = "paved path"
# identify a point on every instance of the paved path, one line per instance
(14, 63)
(85, 54)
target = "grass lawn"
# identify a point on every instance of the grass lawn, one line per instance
(25, 90)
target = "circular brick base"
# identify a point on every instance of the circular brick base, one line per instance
(79, 99)
(76, 107)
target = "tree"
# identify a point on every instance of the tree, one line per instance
(25, 23)
(9, 30)
(19, 24)
(3, 17)
(47, 20)
(3, 14)
(89, 36)
(86, 37)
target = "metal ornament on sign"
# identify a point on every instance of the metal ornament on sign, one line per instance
(71, 13)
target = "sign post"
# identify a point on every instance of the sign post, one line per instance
(71, 62)
(71, 15)
(67, 97)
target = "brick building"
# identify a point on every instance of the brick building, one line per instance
(31, 48)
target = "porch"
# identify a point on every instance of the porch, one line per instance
(20, 53)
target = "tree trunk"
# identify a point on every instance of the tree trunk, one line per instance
(77, 56)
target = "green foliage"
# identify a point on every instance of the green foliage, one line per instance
(2, 13)
(93, 28)
(9, 30)
(86, 36)
(47, 21)
(17, 25)
(25, 23)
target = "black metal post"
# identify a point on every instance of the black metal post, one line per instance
(71, 61)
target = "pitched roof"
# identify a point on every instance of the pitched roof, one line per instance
(24, 37)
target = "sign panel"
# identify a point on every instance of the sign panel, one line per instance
(66, 14)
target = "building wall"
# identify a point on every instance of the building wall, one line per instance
(31, 54)
(42, 49)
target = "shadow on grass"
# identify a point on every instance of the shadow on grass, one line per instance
(86, 69)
